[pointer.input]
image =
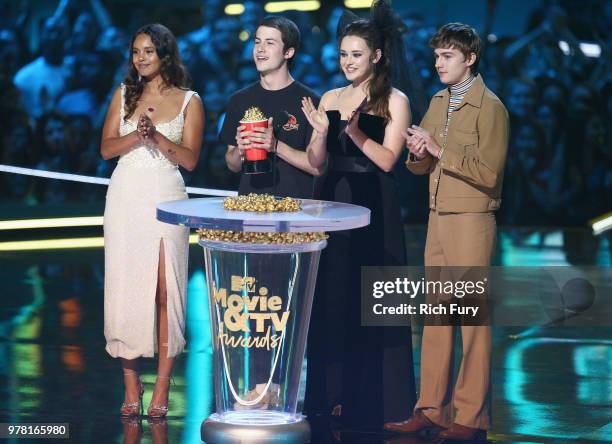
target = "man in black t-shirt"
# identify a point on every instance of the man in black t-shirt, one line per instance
(276, 93)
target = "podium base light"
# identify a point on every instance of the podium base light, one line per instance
(256, 166)
(255, 427)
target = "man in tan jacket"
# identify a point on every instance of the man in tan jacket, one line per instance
(462, 144)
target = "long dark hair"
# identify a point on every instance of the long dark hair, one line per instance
(173, 71)
(383, 30)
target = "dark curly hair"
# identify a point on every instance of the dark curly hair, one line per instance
(383, 30)
(173, 71)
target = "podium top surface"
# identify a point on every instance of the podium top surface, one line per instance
(316, 215)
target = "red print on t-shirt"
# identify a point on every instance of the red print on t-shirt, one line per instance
(291, 123)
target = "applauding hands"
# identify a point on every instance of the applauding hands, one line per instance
(317, 118)
(421, 143)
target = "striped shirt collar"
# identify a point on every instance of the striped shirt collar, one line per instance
(459, 89)
(473, 96)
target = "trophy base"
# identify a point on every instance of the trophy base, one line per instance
(256, 166)
(218, 430)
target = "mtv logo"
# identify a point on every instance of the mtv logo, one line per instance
(239, 283)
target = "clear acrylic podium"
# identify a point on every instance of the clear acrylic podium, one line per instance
(260, 298)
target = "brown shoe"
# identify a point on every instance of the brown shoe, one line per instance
(415, 424)
(460, 432)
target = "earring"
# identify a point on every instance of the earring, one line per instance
(139, 78)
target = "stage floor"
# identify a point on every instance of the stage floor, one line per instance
(550, 385)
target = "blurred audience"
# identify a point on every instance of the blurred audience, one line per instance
(559, 98)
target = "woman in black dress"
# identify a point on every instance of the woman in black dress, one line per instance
(362, 374)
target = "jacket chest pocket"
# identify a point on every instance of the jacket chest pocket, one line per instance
(465, 138)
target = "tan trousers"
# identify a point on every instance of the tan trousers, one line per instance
(457, 239)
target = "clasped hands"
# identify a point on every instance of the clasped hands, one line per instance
(420, 142)
(145, 127)
(146, 131)
(260, 138)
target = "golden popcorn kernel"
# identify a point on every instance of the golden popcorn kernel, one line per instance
(253, 114)
(261, 203)
(260, 237)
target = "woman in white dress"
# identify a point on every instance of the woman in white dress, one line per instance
(154, 123)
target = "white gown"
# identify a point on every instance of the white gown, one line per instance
(132, 235)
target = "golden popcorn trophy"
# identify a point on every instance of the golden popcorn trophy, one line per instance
(261, 258)
(255, 159)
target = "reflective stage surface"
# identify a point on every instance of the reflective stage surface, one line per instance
(550, 384)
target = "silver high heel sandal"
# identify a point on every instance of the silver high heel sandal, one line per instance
(133, 408)
(159, 411)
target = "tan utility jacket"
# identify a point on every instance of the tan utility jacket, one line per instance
(468, 177)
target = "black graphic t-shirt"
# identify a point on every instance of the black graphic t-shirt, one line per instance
(290, 181)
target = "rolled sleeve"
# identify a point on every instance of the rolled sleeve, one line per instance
(423, 166)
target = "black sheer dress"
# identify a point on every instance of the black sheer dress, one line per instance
(368, 370)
